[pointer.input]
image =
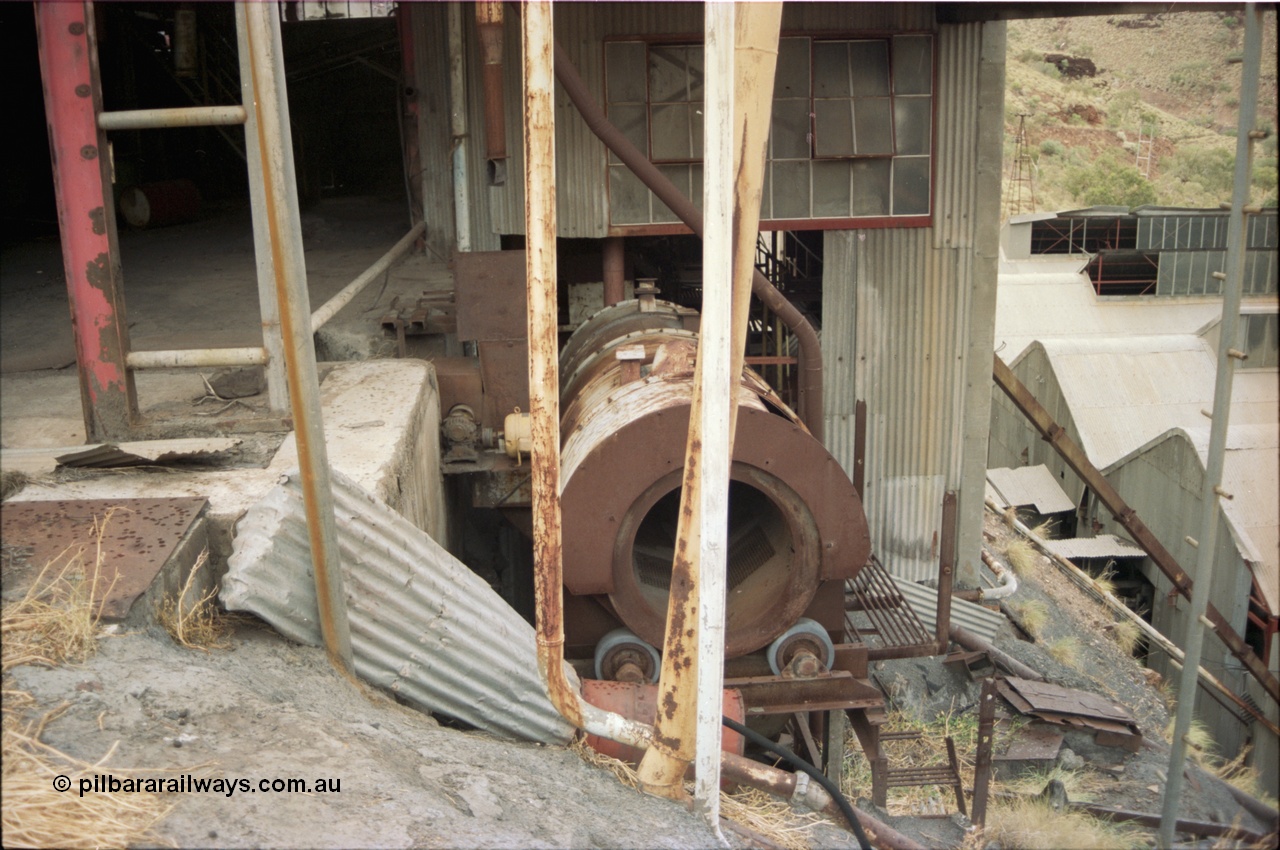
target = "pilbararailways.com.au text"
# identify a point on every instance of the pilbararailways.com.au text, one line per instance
(187, 784)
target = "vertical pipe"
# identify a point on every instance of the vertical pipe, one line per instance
(489, 24)
(86, 216)
(946, 570)
(615, 263)
(544, 383)
(263, 246)
(714, 380)
(1234, 266)
(271, 161)
(458, 128)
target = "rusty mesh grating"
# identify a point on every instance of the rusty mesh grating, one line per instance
(887, 621)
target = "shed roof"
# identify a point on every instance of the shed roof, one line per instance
(1102, 546)
(1029, 485)
(1124, 392)
(1044, 300)
(1251, 474)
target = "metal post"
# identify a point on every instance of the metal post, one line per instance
(946, 570)
(1234, 267)
(615, 269)
(86, 216)
(263, 247)
(458, 128)
(275, 190)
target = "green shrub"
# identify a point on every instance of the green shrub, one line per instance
(1212, 168)
(1110, 181)
(1052, 147)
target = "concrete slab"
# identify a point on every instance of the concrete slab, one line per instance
(381, 421)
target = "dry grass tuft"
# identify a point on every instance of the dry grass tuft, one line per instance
(37, 815)
(56, 621)
(1066, 650)
(195, 624)
(624, 772)
(1126, 634)
(770, 817)
(1033, 825)
(1244, 778)
(1010, 516)
(1045, 529)
(1200, 743)
(1021, 556)
(11, 482)
(1032, 614)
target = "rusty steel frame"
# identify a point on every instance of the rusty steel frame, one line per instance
(982, 766)
(1080, 464)
(946, 570)
(69, 73)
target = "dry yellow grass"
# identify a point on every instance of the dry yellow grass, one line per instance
(1126, 634)
(35, 814)
(1200, 743)
(1021, 556)
(1033, 615)
(1033, 825)
(195, 622)
(55, 621)
(1065, 650)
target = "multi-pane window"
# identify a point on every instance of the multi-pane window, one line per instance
(850, 137)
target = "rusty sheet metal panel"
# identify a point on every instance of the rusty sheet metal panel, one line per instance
(137, 538)
(422, 625)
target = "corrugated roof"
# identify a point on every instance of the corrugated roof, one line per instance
(1044, 300)
(924, 601)
(1124, 392)
(422, 624)
(1102, 546)
(1251, 474)
(1029, 485)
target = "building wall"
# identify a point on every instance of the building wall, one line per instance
(908, 327)
(1164, 485)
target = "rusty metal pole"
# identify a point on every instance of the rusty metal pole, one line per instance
(86, 217)
(615, 264)
(742, 42)
(1227, 357)
(489, 28)
(982, 766)
(544, 383)
(946, 570)
(272, 175)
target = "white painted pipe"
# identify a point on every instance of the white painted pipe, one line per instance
(196, 357)
(185, 116)
(331, 307)
(1008, 580)
(458, 128)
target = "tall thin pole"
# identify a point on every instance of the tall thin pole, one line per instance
(1227, 355)
(271, 152)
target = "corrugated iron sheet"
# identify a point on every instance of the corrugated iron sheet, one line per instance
(1102, 546)
(1030, 485)
(924, 601)
(422, 625)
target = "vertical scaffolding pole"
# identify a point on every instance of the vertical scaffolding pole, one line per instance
(264, 249)
(86, 216)
(1227, 355)
(273, 184)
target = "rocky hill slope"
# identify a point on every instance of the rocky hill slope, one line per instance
(1134, 109)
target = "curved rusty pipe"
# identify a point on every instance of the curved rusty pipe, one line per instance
(810, 406)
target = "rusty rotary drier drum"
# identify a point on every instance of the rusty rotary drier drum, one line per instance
(795, 521)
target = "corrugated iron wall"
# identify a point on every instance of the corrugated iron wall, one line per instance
(908, 323)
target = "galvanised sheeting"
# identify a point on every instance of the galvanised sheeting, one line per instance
(956, 136)
(422, 625)
(896, 312)
(429, 28)
(976, 619)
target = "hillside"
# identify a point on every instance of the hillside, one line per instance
(1088, 86)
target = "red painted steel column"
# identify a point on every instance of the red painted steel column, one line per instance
(86, 216)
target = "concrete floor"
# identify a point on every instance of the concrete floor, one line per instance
(195, 285)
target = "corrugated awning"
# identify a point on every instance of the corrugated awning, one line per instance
(1032, 486)
(1102, 546)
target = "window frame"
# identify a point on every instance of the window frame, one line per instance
(789, 222)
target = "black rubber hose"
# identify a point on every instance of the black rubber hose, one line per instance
(800, 764)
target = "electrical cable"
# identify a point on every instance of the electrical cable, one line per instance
(777, 749)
